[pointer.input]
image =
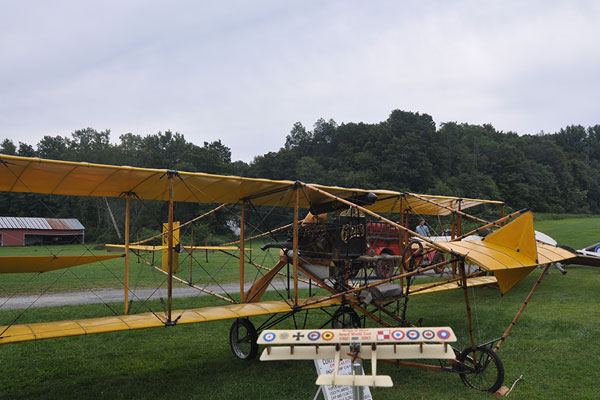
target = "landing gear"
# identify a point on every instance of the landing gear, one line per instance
(485, 372)
(345, 317)
(242, 339)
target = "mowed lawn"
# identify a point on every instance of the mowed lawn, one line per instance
(554, 346)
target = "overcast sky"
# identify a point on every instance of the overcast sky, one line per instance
(245, 71)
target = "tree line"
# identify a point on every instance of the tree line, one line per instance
(557, 172)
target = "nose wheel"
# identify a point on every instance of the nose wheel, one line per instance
(481, 369)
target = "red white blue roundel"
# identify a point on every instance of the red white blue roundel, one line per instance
(443, 334)
(313, 335)
(269, 337)
(398, 335)
(428, 334)
(413, 334)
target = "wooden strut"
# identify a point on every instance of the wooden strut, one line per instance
(260, 235)
(463, 276)
(206, 214)
(381, 282)
(498, 222)
(295, 245)
(203, 290)
(242, 248)
(352, 304)
(464, 214)
(192, 252)
(373, 214)
(436, 284)
(258, 266)
(170, 247)
(514, 321)
(127, 226)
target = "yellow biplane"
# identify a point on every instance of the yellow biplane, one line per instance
(326, 249)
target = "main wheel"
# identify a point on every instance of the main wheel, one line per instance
(487, 374)
(345, 317)
(242, 339)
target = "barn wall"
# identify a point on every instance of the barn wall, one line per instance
(16, 237)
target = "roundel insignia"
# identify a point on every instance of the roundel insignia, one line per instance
(284, 335)
(313, 335)
(413, 334)
(398, 335)
(443, 334)
(428, 334)
(269, 337)
(327, 335)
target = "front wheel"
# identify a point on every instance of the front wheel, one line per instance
(481, 371)
(345, 317)
(242, 339)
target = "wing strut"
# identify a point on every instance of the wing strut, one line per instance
(171, 175)
(127, 221)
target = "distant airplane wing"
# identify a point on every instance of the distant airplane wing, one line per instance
(21, 264)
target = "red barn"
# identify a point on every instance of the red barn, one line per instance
(25, 231)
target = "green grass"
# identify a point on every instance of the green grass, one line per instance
(207, 268)
(554, 346)
(573, 231)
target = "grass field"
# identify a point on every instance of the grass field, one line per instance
(554, 347)
(211, 267)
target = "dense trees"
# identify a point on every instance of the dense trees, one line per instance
(557, 172)
(547, 172)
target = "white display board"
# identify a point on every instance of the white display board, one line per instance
(325, 367)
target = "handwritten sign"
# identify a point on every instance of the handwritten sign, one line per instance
(325, 367)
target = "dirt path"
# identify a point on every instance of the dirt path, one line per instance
(116, 295)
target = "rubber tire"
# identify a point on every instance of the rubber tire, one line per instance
(469, 379)
(345, 317)
(242, 339)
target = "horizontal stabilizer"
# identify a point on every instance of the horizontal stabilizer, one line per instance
(355, 380)
(384, 351)
(511, 252)
(358, 335)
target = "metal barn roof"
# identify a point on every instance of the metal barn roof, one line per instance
(62, 224)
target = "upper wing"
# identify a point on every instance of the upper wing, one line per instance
(35, 175)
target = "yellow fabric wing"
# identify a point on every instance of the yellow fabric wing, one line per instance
(510, 253)
(21, 264)
(48, 330)
(35, 175)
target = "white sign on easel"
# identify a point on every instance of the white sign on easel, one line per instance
(325, 367)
